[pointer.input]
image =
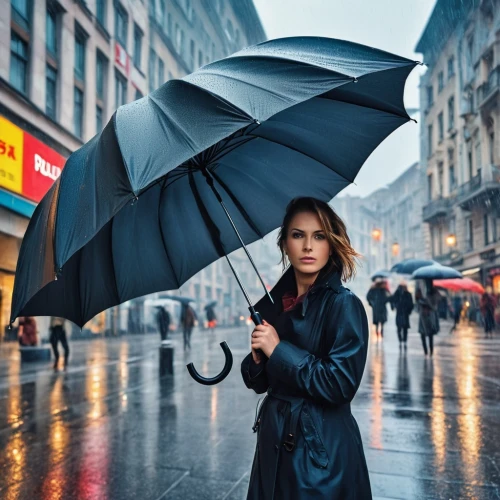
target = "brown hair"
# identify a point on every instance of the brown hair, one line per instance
(344, 257)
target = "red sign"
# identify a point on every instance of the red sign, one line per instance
(121, 58)
(41, 167)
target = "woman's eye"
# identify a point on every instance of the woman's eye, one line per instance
(320, 236)
(295, 234)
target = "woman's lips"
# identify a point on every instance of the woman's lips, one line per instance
(307, 260)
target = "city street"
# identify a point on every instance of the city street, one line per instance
(110, 428)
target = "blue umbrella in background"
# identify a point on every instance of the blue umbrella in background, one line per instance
(203, 166)
(409, 266)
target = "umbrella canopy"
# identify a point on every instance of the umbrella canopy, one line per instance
(465, 284)
(381, 274)
(436, 272)
(409, 266)
(211, 305)
(134, 211)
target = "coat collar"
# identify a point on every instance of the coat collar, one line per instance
(287, 282)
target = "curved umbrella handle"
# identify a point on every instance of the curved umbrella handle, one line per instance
(218, 378)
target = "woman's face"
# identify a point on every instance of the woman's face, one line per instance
(306, 238)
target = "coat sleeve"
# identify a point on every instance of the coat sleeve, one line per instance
(254, 375)
(335, 378)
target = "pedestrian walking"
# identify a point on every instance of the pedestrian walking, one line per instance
(27, 332)
(428, 321)
(188, 317)
(309, 355)
(58, 334)
(378, 296)
(211, 318)
(487, 306)
(163, 322)
(402, 301)
(457, 305)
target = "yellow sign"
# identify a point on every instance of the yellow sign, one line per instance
(11, 156)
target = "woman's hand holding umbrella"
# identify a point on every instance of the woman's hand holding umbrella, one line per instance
(265, 338)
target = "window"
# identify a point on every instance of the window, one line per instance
(152, 70)
(137, 46)
(430, 96)
(229, 30)
(18, 75)
(161, 72)
(451, 113)
(101, 71)
(478, 156)
(78, 111)
(491, 147)
(451, 67)
(440, 178)
(181, 46)
(138, 94)
(469, 162)
(169, 25)
(79, 54)
(470, 235)
(191, 54)
(470, 51)
(121, 25)
(486, 229)
(208, 293)
(50, 91)
(162, 14)
(177, 37)
(51, 33)
(200, 58)
(429, 187)
(21, 13)
(441, 126)
(98, 119)
(453, 179)
(429, 140)
(120, 90)
(100, 12)
(440, 81)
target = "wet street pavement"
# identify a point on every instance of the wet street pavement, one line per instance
(109, 427)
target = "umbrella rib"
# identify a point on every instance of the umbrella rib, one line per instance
(238, 205)
(162, 237)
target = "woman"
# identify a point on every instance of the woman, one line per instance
(428, 320)
(403, 302)
(309, 355)
(377, 297)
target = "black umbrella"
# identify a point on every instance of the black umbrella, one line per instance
(436, 272)
(203, 166)
(177, 298)
(408, 266)
(381, 274)
(211, 305)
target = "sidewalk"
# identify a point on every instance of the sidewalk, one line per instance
(110, 428)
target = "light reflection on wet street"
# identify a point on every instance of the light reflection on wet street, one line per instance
(109, 427)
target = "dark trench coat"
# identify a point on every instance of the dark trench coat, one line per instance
(308, 442)
(378, 297)
(403, 302)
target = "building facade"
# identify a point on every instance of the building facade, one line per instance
(460, 97)
(65, 67)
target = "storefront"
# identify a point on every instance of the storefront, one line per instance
(28, 168)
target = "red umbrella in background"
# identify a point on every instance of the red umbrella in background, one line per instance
(463, 285)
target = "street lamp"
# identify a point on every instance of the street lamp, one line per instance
(451, 240)
(376, 234)
(395, 249)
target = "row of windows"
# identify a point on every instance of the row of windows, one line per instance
(441, 81)
(440, 121)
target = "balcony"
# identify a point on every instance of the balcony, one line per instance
(482, 190)
(489, 89)
(436, 209)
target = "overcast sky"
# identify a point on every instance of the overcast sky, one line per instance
(392, 25)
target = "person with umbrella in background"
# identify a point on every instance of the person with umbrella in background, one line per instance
(428, 321)
(211, 316)
(377, 298)
(309, 355)
(403, 303)
(163, 322)
(457, 305)
(487, 306)
(188, 318)
(58, 334)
